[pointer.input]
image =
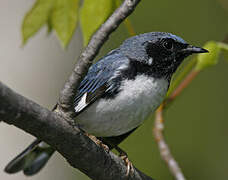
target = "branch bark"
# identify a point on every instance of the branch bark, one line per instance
(87, 56)
(79, 150)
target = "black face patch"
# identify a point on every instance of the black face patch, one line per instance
(166, 55)
(157, 50)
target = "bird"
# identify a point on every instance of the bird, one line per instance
(118, 93)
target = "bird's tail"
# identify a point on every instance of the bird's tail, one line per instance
(32, 159)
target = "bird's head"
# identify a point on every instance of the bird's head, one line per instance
(162, 52)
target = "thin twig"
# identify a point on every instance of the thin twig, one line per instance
(188, 79)
(129, 27)
(87, 56)
(163, 146)
(159, 128)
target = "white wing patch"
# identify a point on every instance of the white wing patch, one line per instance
(43, 145)
(82, 103)
(150, 61)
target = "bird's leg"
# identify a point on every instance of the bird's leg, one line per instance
(123, 155)
(98, 142)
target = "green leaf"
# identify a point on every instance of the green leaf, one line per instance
(64, 19)
(36, 18)
(224, 48)
(208, 59)
(92, 14)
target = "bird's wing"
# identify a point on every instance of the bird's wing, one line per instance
(100, 80)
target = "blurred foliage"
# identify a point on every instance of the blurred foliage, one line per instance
(93, 14)
(62, 16)
(211, 58)
(208, 59)
(36, 18)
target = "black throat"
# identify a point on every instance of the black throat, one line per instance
(139, 68)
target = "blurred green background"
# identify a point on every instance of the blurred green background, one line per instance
(196, 123)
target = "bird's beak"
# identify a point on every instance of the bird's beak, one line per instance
(193, 49)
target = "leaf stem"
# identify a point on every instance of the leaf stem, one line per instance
(183, 84)
(129, 27)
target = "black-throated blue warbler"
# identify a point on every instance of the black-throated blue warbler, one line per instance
(118, 92)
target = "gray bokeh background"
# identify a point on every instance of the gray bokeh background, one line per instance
(196, 123)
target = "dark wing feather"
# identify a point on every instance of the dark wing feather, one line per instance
(100, 80)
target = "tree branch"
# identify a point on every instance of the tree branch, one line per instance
(79, 150)
(87, 56)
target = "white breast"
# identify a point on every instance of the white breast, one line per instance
(128, 110)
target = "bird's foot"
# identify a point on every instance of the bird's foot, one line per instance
(130, 168)
(123, 155)
(98, 142)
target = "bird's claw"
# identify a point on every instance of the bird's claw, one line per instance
(124, 157)
(130, 168)
(98, 142)
(104, 146)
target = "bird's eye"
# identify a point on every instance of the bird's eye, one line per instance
(168, 45)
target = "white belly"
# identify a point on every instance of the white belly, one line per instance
(129, 109)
